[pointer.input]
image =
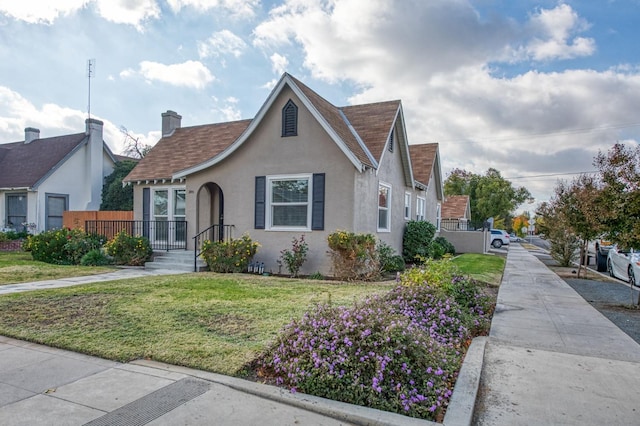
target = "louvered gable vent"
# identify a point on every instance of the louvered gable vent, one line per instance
(290, 119)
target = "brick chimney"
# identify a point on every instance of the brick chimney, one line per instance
(31, 134)
(170, 122)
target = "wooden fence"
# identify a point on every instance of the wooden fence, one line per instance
(77, 219)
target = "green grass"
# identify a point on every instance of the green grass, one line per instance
(19, 267)
(214, 322)
(482, 267)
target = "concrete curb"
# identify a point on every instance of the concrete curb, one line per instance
(463, 400)
(353, 414)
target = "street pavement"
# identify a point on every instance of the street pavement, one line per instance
(553, 359)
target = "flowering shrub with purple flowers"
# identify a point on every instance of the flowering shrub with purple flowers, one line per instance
(398, 352)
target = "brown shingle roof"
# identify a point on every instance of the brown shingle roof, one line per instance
(190, 146)
(24, 165)
(423, 157)
(373, 123)
(333, 116)
(454, 207)
(186, 147)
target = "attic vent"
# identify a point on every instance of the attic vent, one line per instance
(290, 119)
(391, 142)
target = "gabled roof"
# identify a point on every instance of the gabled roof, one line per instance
(455, 207)
(185, 148)
(360, 131)
(26, 165)
(425, 160)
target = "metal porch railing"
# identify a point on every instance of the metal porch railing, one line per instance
(163, 235)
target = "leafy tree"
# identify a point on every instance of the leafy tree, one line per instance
(619, 172)
(554, 224)
(519, 222)
(581, 204)
(490, 195)
(114, 195)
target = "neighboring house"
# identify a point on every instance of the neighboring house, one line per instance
(301, 166)
(41, 178)
(456, 213)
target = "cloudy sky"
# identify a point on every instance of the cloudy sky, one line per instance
(531, 88)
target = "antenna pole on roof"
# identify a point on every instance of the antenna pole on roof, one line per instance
(91, 69)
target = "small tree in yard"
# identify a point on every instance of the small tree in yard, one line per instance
(295, 258)
(555, 226)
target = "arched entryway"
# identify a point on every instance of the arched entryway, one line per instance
(210, 211)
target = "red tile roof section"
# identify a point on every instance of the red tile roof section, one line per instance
(455, 207)
(186, 147)
(23, 165)
(423, 157)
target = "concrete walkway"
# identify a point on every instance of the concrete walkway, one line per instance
(552, 358)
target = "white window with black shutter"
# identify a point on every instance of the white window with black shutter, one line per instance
(290, 202)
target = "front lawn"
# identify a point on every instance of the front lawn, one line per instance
(487, 268)
(208, 321)
(19, 267)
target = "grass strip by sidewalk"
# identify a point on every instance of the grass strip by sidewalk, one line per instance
(487, 268)
(19, 267)
(214, 322)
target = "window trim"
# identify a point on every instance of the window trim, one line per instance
(6, 209)
(407, 205)
(387, 208)
(269, 204)
(421, 202)
(47, 196)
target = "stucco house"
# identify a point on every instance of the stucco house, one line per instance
(300, 166)
(40, 178)
(456, 212)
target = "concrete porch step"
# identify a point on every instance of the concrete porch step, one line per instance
(176, 260)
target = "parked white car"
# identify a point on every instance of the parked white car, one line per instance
(499, 237)
(624, 264)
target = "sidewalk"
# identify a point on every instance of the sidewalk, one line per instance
(552, 358)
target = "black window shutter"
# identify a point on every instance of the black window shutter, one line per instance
(261, 183)
(290, 119)
(391, 141)
(317, 209)
(146, 211)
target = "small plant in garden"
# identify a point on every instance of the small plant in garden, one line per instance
(129, 250)
(95, 257)
(389, 260)
(439, 247)
(417, 239)
(397, 352)
(353, 256)
(295, 258)
(233, 255)
(61, 246)
(316, 276)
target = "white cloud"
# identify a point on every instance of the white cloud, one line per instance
(47, 11)
(439, 58)
(228, 109)
(236, 8)
(40, 12)
(554, 30)
(221, 43)
(279, 63)
(128, 12)
(191, 74)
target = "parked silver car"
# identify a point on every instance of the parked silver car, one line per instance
(624, 264)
